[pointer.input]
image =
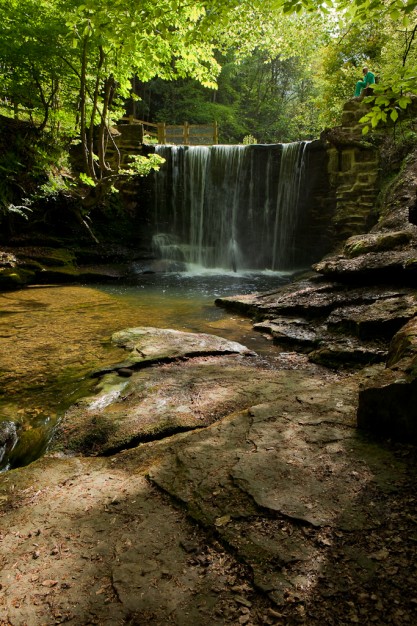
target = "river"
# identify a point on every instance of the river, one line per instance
(52, 337)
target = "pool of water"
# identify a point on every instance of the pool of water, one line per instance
(52, 337)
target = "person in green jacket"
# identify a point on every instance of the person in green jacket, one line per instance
(368, 79)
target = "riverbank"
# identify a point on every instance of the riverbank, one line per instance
(277, 513)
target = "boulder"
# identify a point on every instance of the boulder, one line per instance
(388, 399)
(376, 242)
(147, 345)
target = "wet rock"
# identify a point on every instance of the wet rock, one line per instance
(308, 299)
(148, 345)
(8, 437)
(14, 278)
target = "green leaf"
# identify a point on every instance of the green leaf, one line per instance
(382, 100)
(404, 102)
(394, 115)
(87, 180)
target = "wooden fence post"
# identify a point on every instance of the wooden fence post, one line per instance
(215, 133)
(186, 134)
(162, 136)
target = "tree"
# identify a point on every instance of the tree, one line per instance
(397, 16)
(73, 60)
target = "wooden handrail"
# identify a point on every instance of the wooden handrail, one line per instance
(185, 131)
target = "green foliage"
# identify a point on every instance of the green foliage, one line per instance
(277, 70)
(249, 140)
(21, 210)
(87, 180)
(144, 165)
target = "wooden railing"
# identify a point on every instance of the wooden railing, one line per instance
(185, 134)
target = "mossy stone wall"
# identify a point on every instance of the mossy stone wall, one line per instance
(354, 173)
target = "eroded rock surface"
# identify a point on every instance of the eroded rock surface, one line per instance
(134, 406)
(160, 401)
(290, 459)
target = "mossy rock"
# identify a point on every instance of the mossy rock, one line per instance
(30, 446)
(51, 257)
(97, 430)
(12, 278)
(381, 242)
(56, 275)
(404, 343)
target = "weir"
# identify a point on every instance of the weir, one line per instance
(233, 207)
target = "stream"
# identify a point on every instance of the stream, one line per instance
(52, 337)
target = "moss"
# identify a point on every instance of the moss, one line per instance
(13, 278)
(96, 433)
(51, 257)
(381, 243)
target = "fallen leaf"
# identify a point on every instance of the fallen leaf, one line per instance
(222, 521)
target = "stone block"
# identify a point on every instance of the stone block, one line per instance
(348, 118)
(368, 155)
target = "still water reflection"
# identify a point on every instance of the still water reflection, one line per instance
(51, 337)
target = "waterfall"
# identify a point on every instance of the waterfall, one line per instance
(230, 207)
(291, 176)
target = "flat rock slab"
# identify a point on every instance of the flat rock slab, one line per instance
(85, 542)
(159, 401)
(132, 406)
(336, 325)
(308, 298)
(394, 263)
(149, 345)
(306, 516)
(382, 318)
(297, 458)
(291, 331)
(322, 345)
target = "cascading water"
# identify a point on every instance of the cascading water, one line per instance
(231, 207)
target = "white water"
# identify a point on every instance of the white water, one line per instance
(230, 207)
